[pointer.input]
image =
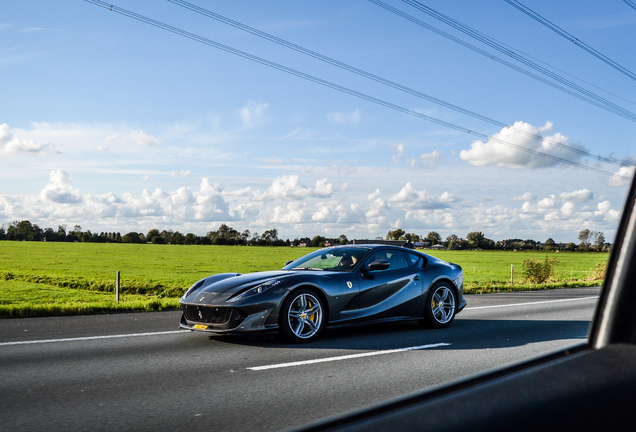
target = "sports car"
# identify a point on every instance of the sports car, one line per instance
(335, 286)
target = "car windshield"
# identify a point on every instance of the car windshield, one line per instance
(342, 259)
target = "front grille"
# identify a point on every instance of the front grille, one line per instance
(209, 315)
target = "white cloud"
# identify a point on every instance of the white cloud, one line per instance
(377, 213)
(294, 213)
(339, 117)
(182, 173)
(432, 159)
(210, 205)
(549, 202)
(495, 153)
(605, 209)
(447, 198)
(374, 195)
(253, 112)
(567, 209)
(289, 187)
(577, 196)
(623, 177)
(324, 214)
(399, 152)
(142, 139)
(525, 197)
(60, 189)
(9, 143)
(410, 198)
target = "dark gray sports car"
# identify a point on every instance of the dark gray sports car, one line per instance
(335, 286)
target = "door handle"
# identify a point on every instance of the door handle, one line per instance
(416, 277)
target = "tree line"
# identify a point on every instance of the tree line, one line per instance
(226, 235)
(593, 241)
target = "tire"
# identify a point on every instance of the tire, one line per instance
(440, 307)
(302, 316)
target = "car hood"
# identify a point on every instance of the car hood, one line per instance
(240, 282)
(219, 288)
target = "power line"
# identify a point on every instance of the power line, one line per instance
(493, 44)
(577, 91)
(558, 30)
(379, 79)
(337, 87)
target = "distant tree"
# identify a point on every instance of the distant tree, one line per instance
(433, 238)
(570, 247)
(396, 234)
(176, 238)
(410, 237)
(77, 229)
(343, 240)
(584, 237)
(317, 241)
(24, 230)
(255, 239)
(131, 237)
(475, 239)
(453, 242)
(488, 244)
(190, 239)
(550, 244)
(61, 233)
(270, 236)
(152, 234)
(3, 233)
(600, 241)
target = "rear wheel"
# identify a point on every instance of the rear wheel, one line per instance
(441, 306)
(302, 316)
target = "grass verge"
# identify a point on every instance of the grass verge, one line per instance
(24, 299)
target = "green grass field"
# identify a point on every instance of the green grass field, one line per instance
(38, 278)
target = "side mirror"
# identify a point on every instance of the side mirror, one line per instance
(378, 265)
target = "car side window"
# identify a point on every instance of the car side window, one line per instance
(377, 256)
(397, 260)
(412, 259)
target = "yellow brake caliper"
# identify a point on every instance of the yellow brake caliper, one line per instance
(313, 316)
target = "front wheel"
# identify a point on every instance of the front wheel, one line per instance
(441, 306)
(302, 316)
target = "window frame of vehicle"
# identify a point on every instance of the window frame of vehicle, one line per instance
(590, 386)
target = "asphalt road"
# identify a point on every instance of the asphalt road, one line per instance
(135, 371)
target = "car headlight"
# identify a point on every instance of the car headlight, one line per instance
(256, 290)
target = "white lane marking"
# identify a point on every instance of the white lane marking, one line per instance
(91, 338)
(345, 357)
(530, 303)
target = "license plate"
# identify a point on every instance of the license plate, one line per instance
(200, 326)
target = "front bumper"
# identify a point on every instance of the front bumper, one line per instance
(224, 320)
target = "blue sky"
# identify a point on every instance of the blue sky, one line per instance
(116, 125)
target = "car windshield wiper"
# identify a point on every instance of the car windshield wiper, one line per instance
(307, 268)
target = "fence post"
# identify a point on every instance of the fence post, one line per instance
(512, 274)
(117, 287)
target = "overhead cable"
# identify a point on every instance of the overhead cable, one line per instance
(558, 30)
(337, 87)
(575, 90)
(379, 79)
